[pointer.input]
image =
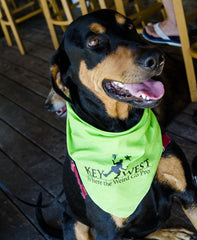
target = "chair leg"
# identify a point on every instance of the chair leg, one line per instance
(47, 14)
(67, 11)
(138, 8)
(84, 9)
(102, 4)
(94, 5)
(5, 30)
(13, 27)
(13, 3)
(189, 66)
(56, 11)
(6, 34)
(120, 7)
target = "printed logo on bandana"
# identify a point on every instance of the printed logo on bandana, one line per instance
(120, 171)
(120, 175)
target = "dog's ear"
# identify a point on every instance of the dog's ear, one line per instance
(60, 65)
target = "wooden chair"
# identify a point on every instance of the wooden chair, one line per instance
(142, 13)
(189, 52)
(55, 18)
(7, 18)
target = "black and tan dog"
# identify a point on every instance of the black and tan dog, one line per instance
(108, 70)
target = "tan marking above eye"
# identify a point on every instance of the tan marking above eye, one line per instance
(120, 19)
(93, 42)
(97, 28)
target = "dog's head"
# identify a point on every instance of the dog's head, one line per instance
(54, 102)
(102, 56)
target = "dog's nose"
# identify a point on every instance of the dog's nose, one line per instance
(151, 59)
(48, 105)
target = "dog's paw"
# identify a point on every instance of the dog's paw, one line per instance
(172, 234)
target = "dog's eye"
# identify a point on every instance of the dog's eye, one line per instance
(93, 42)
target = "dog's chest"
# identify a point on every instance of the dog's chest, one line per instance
(121, 166)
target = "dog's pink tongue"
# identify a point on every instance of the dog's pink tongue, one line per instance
(150, 88)
(61, 110)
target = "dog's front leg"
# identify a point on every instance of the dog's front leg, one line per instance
(172, 234)
(75, 230)
(189, 205)
(174, 173)
(68, 227)
(82, 232)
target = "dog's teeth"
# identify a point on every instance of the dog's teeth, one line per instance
(125, 87)
(145, 97)
(121, 85)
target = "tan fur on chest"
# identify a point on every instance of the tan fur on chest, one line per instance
(118, 221)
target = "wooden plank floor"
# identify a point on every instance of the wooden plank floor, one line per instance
(32, 140)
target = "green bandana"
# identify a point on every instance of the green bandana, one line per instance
(117, 169)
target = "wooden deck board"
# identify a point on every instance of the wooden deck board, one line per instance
(33, 160)
(28, 189)
(34, 129)
(183, 125)
(14, 223)
(188, 147)
(32, 140)
(182, 129)
(18, 74)
(28, 61)
(29, 101)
